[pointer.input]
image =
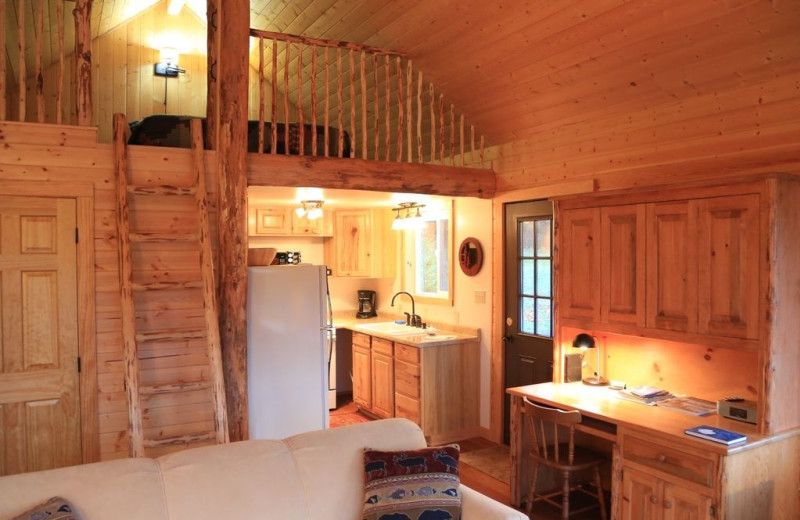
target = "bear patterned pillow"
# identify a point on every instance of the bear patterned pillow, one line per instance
(412, 484)
(54, 509)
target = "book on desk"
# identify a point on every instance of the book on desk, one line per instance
(719, 435)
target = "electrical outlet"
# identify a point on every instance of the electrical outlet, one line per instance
(480, 296)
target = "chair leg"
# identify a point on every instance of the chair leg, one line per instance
(532, 489)
(565, 498)
(600, 497)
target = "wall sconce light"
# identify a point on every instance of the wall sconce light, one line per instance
(584, 342)
(310, 209)
(407, 216)
(167, 65)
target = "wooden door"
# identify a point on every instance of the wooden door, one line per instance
(680, 503)
(579, 243)
(728, 288)
(39, 399)
(640, 496)
(353, 239)
(672, 266)
(623, 264)
(362, 377)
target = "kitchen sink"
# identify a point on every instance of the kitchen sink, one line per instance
(390, 327)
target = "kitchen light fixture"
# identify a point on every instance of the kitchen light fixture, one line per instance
(310, 209)
(167, 65)
(585, 341)
(407, 216)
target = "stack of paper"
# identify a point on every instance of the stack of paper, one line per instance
(645, 394)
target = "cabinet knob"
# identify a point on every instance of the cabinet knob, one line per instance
(667, 504)
(653, 499)
(662, 458)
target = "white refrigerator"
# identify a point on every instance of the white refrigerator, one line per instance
(288, 349)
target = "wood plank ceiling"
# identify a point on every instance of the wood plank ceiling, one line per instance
(522, 68)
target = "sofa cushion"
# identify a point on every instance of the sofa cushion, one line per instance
(54, 509)
(249, 479)
(330, 463)
(412, 484)
(96, 491)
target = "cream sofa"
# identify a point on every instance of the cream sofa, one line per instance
(316, 476)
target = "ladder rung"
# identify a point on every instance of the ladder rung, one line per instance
(160, 286)
(162, 190)
(174, 388)
(169, 335)
(181, 439)
(163, 237)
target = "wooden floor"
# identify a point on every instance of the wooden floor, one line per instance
(484, 483)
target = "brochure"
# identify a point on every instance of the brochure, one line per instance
(716, 434)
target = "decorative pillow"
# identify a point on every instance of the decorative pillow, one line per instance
(412, 484)
(54, 509)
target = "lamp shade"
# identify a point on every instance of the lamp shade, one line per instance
(583, 340)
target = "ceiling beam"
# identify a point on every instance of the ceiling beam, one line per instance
(359, 174)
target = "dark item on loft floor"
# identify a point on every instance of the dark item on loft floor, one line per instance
(173, 131)
(549, 449)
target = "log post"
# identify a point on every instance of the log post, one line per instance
(22, 74)
(212, 99)
(83, 60)
(3, 61)
(232, 27)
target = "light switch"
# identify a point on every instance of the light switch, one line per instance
(480, 296)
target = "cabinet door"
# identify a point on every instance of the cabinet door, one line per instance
(273, 221)
(680, 503)
(353, 243)
(623, 264)
(580, 263)
(305, 226)
(672, 266)
(640, 496)
(728, 287)
(362, 377)
(382, 385)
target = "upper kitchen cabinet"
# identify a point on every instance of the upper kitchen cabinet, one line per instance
(284, 221)
(362, 244)
(680, 265)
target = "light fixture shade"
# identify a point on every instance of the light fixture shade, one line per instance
(408, 216)
(314, 213)
(169, 56)
(583, 340)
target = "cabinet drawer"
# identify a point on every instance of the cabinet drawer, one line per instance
(361, 340)
(406, 353)
(382, 346)
(406, 378)
(406, 407)
(682, 464)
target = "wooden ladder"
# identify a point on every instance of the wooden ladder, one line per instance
(157, 340)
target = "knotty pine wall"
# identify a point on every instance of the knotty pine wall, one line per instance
(53, 154)
(122, 74)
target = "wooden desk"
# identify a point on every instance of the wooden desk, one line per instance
(662, 466)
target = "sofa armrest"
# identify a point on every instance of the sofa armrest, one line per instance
(476, 506)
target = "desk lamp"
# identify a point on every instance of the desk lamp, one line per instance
(583, 342)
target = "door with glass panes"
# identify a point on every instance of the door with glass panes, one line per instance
(528, 333)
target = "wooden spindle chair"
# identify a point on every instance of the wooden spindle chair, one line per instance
(545, 426)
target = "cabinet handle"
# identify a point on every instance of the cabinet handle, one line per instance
(653, 500)
(667, 504)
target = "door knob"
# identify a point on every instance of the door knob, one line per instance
(508, 338)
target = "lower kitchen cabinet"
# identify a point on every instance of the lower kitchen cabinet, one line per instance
(646, 497)
(436, 386)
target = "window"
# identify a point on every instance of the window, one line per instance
(427, 272)
(536, 276)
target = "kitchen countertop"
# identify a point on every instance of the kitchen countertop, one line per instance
(451, 334)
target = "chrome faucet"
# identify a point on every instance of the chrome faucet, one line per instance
(414, 319)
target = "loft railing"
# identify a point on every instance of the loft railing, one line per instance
(371, 96)
(26, 101)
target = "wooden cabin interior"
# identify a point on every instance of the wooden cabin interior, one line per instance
(669, 129)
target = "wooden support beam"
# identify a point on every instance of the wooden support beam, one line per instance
(359, 174)
(232, 27)
(212, 99)
(83, 60)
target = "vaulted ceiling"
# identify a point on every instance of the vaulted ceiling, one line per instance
(521, 68)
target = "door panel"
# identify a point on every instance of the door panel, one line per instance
(39, 401)
(528, 353)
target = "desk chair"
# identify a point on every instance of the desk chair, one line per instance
(545, 425)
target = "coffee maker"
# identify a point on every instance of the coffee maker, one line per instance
(366, 304)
